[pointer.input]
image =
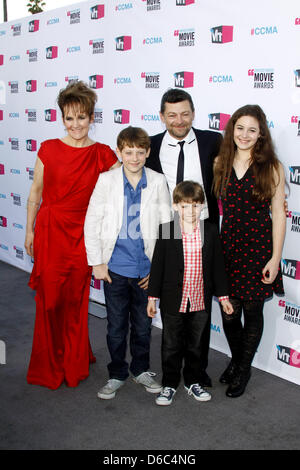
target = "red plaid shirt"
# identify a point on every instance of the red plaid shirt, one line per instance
(193, 289)
(193, 272)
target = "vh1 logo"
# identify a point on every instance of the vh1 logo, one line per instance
(33, 26)
(95, 283)
(50, 115)
(291, 268)
(218, 121)
(2, 170)
(121, 116)
(184, 79)
(96, 81)
(31, 145)
(97, 12)
(184, 2)
(1, 115)
(52, 52)
(31, 85)
(221, 34)
(1, 59)
(3, 221)
(123, 43)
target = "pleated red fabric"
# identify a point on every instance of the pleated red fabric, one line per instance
(61, 349)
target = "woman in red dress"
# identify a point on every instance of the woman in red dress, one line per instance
(65, 174)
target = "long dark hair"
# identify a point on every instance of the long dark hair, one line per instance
(263, 157)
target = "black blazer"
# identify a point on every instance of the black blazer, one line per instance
(208, 144)
(167, 268)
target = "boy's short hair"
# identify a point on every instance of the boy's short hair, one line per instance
(188, 191)
(133, 137)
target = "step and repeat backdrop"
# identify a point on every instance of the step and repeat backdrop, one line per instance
(131, 52)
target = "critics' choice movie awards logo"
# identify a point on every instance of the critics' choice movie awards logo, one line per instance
(123, 43)
(98, 115)
(151, 79)
(16, 29)
(221, 34)
(32, 55)
(218, 121)
(294, 174)
(262, 78)
(152, 5)
(14, 87)
(291, 268)
(19, 252)
(291, 312)
(16, 199)
(74, 16)
(97, 45)
(30, 172)
(296, 120)
(289, 356)
(14, 141)
(186, 37)
(184, 79)
(295, 221)
(121, 116)
(97, 12)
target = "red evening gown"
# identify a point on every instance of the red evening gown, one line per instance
(61, 349)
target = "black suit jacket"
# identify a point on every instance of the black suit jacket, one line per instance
(167, 268)
(208, 144)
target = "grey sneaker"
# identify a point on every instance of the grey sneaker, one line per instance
(109, 390)
(166, 396)
(146, 379)
(198, 392)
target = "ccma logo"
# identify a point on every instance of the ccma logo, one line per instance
(184, 79)
(290, 268)
(121, 116)
(221, 34)
(264, 30)
(289, 356)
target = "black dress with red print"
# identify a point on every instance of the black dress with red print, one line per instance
(246, 237)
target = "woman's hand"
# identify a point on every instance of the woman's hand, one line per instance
(270, 271)
(29, 243)
(227, 307)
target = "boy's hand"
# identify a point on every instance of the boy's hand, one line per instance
(151, 308)
(101, 272)
(227, 307)
(144, 282)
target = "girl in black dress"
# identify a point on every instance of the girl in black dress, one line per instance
(250, 181)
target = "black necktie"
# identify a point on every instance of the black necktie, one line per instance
(180, 165)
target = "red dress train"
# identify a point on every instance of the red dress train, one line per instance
(61, 349)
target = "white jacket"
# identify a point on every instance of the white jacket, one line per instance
(104, 216)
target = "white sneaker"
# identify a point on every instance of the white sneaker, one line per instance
(198, 392)
(109, 390)
(166, 396)
(146, 379)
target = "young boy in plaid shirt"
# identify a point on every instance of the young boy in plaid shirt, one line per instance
(187, 270)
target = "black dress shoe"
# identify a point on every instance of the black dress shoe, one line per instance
(204, 379)
(238, 385)
(229, 373)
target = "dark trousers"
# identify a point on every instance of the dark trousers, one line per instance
(126, 303)
(244, 339)
(181, 342)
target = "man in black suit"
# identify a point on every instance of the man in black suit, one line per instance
(185, 153)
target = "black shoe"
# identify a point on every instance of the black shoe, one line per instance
(238, 385)
(204, 379)
(229, 373)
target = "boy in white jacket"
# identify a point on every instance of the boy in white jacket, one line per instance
(121, 228)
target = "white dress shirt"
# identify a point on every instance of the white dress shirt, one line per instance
(169, 153)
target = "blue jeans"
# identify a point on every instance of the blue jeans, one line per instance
(126, 303)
